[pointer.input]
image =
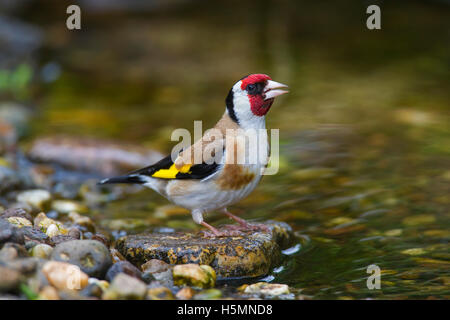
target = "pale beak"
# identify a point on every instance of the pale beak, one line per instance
(273, 89)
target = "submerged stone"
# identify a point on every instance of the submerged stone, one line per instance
(251, 254)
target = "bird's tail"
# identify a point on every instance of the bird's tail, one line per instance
(133, 178)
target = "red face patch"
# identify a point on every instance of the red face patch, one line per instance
(258, 105)
(254, 78)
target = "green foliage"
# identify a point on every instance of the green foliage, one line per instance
(16, 81)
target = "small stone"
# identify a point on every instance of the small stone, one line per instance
(116, 255)
(82, 221)
(154, 266)
(125, 287)
(68, 206)
(90, 255)
(60, 238)
(43, 223)
(122, 267)
(19, 222)
(42, 251)
(200, 276)
(414, 251)
(101, 238)
(92, 290)
(23, 265)
(52, 231)
(160, 293)
(8, 254)
(34, 234)
(38, 199)
(48, 293)
(65, 276)
(185, 293)
(9, 279)
(16, 212)
(10, 233)
(270, 289)
(208, 294)
(74, 233)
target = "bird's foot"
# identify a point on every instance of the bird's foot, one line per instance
(226, 231)
(244, 225)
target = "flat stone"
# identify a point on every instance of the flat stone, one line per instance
(251, 254)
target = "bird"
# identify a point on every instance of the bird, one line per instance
(203, 186)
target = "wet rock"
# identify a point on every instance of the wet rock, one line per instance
(8, 254)
(10, 233)
(268, 289)
(93, 155)
(65, 276)
(155, 266)
(34, 234)
(23, 265)
(38, 198)
(200, 276)
(48, 293)
(116, 255)
(74, 233)
(92, 290)
(122, 267)
(90, 255)
(125, 287)
(82, 221)
(185, 293)
(101, 238)
(248, 255)
(10, 179)
(9, 279)
(44, 223)
(19, 222)
(160, 293)
(60, 238)
(42, 251)
(16, 212)
(208, 294)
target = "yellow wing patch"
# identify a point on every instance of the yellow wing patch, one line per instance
(172, 172)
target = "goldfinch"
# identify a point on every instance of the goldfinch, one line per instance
(204, 186)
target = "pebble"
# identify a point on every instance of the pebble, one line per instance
(34, 234)
(19, 222)
(264, 288)
(42, 251)
(185, 293)
(16, 212)
(208, 294)
(48, 293)
(10, 233)
(42, 222)
(125, 287)
(200, 276)
(90, 255)
(116, 255)
(65, 276)
(154, 266)
(38, 198)
(82, 221)
(160, 293)
(9, 279)
(122, 267)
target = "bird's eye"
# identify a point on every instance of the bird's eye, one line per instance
(251, 88)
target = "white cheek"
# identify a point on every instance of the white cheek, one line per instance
(242, 109)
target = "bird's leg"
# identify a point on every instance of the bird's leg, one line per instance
(216, 232)
(244, 224)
